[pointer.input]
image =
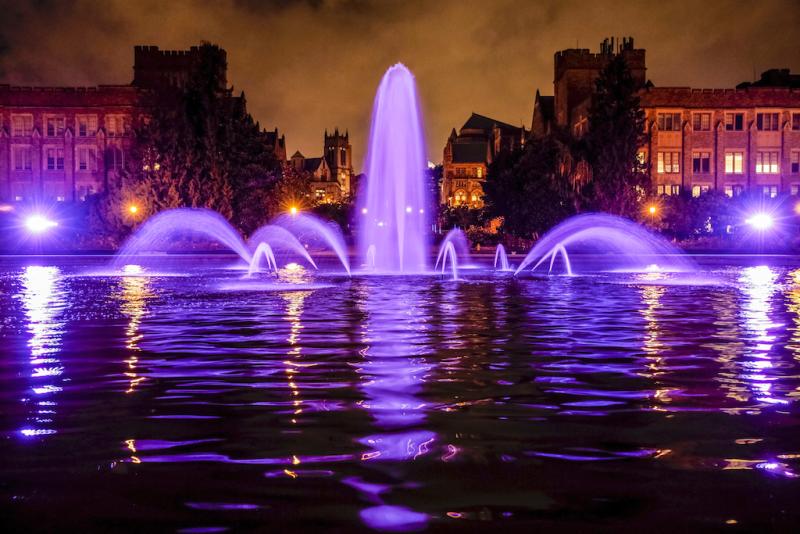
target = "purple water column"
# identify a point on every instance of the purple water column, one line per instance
(392, 211)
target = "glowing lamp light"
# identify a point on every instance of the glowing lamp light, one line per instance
(760, 221)
(133, 209)
(652, 210)
(6, 207)
(293, 210)
(363, 211)
(37, 224)
(408, 209)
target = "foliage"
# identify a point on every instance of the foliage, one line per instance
(619, 182)
(525, 189)
(198, 148)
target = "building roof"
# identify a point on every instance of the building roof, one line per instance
(312, 164)
(547, 106)
(297, 154)
(774, 78)
(469, 152)
(719, 98)
(481, 122)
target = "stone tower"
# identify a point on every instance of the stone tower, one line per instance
(339, 154)
(576, 71)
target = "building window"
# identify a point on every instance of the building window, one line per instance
(461, 171)
(668, 190)
(55, 159)
(22, 125)
(770, 191)
(669, 162)
(794, 189)
(87, 125)
(767, 162)
(461, 197)
(87, 159)
(733, 190)
(479, 172)
(795, 161)
(669, 122)
(22, 156)
(474, 197)
(733, 162)
(342, 157)
(116, 125)
(55, 126)
(734, 122)
(701, 162)
(698, 190)
(116, 158)
(795, 121)
(701, 122)
(60, 199)
(320, 194)
(767, 121)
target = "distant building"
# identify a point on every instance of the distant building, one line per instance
(65, 143)
(700, 139)
(333, 171)
(468, 154)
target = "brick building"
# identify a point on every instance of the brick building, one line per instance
(468, 154)
(699, 139)
(65, 143)
(332, 173)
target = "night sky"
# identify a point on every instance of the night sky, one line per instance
(307, 66)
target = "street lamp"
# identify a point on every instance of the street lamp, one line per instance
(761, 221)
(36, 224)
(133, 209)
(293, 210)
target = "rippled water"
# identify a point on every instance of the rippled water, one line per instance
(207, 402)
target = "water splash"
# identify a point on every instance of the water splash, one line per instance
(458, 239)
(501, 257)
(617, 243)
(162, 230)
(394, 200)
(265, 251)
(282, 240)
(449, 252)
(312, 231)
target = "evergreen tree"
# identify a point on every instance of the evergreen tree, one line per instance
(619, 182)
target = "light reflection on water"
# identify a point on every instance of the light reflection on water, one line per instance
(401, 403)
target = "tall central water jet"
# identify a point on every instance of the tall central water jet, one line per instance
(393, 205)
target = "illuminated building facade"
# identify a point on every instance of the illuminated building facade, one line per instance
(66, 143)
(729, 140)
(332, 173)
(468, 154)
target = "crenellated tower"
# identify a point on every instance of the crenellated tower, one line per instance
(339, 155)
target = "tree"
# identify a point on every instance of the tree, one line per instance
(619, 182)
(525, 188)
(198, 147)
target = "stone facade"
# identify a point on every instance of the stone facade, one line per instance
(332, 174)
(468, 154)
(61, 144)
(728, 140)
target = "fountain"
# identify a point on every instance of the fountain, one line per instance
(449, 252)
(163, 229)
(501, 257)
(264, 250)
(458, 239)
(393, 203)
(312, 231)
(618, 244)
(279, 238)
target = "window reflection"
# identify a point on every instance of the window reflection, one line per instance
(43, 299)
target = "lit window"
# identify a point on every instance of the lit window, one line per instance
(55, 126)
(733, 162)
(729, 191)
(698, 190)
(795, 161)
(701, 122)
(669, 162)
(22, 125)
(87, 125)
(794, 189)
(116, 125)
(480, 172)
(87, 159)
(734, 122)
(55, 159)
(767, 121)
(661, 190)
(669, 122)
(22, 156)
(770, 191)
(60, 199)
(474, 197)
(767, 162)
(701, 162)
(676, 190)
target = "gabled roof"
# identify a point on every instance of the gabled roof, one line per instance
(481, 122)
(312, 164)
(547, 106)
(469, 152)
(297, 154)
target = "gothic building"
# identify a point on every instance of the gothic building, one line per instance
(332, 173)
(65, 143)
(728, 140)
(468, 154)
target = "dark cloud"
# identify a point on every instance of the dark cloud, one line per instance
(310, 65)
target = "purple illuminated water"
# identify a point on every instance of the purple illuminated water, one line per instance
(393, 222)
